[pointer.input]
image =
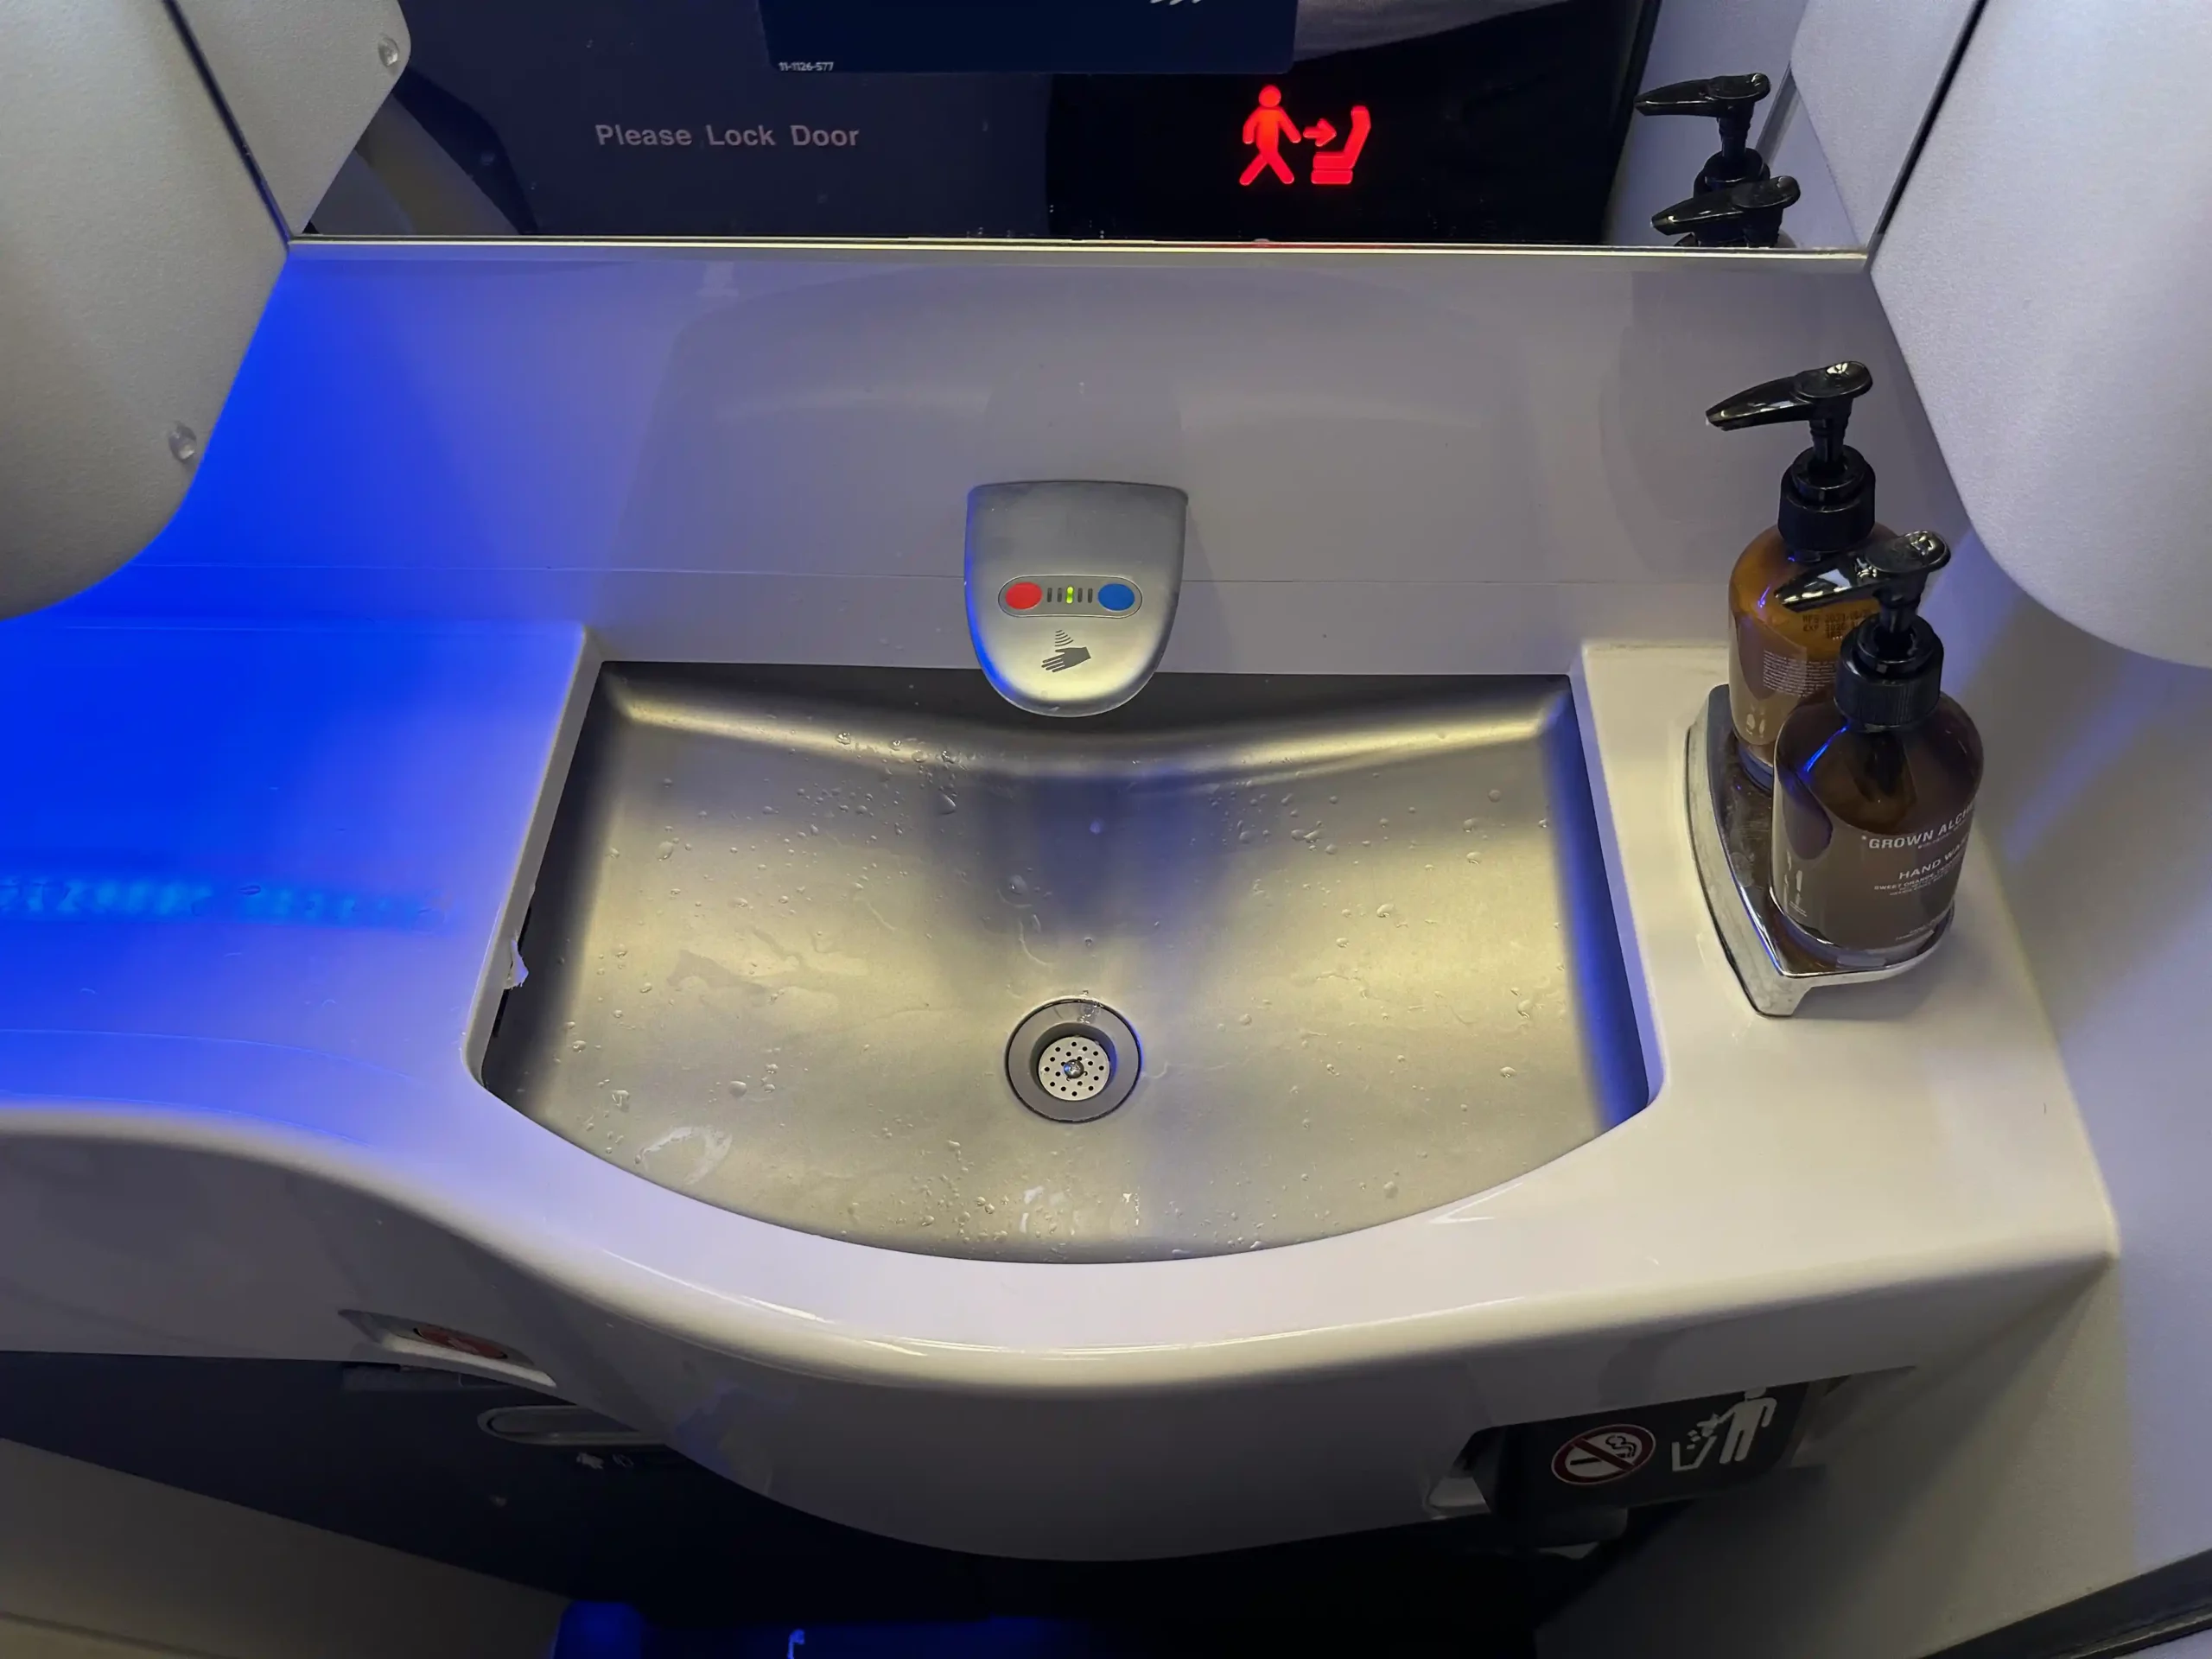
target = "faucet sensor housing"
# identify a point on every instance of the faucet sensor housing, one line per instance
(1071, 589)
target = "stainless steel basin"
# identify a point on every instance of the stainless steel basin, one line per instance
(790, 919)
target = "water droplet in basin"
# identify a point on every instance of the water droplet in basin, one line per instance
(621, 950)
(622, 1099)
(1474, 858)
(944, 804)
(1504, 1071)
(844, 741)
(1098, 826)
(1389, 1189)
(1342, 942)
(1017, 886)
(1244, 1019)
(1523, 1007)
(1384, 911)
(578, 1045)
(1089, 943)
(1497, 794)
(737, 1088)
(1330, 849)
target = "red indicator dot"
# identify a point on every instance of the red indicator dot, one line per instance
(1023, 596)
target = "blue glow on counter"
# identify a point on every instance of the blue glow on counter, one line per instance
(82, 896)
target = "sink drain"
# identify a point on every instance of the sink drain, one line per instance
(1073, 1061)
(1075, 1069)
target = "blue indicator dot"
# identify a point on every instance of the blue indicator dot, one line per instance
(1117, 596)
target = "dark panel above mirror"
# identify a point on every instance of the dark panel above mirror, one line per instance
(1399, 121)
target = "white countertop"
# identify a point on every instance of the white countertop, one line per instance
(1894, 1152)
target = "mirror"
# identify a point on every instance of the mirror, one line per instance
(1404, 122)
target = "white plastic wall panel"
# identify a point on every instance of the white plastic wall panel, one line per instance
(135, 254)
(1397, 461)
(301, 78)
(1869, 71)
(2046, 274)
(1791, 147)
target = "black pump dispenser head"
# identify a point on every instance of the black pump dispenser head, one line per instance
(1891, 672)
(1827, 494)
(1746, 215)
(1730, 100)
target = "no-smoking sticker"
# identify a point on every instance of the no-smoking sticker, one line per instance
(1598, 1455)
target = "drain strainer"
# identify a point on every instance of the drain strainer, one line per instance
(1075, 1069)
(1073, 1061)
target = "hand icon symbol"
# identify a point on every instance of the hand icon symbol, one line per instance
(1067, 657)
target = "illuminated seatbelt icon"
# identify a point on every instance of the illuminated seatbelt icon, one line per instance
(1335, 166)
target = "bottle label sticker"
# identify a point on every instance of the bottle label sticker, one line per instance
(1795, 676)
(1784, 661)
(1858, 890)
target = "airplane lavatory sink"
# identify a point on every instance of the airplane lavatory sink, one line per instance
(1248, 961)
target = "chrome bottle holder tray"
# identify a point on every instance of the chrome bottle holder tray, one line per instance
(1732, 830)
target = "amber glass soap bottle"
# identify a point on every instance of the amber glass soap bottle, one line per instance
(1874, 791)
(1781, 659)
